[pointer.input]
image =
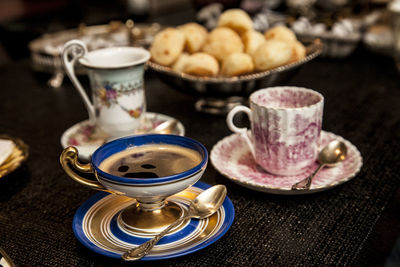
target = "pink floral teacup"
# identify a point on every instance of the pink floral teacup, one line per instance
(116, 78)
(285, 128)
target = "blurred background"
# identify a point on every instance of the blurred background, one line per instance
(36, 30)
(21, 21)
(24, 20)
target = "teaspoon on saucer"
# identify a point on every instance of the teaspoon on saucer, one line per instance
(330, 155)
(166, 127)
(203, 206)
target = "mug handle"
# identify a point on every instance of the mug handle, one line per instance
(72, 51)
(70, 156)
(242, 131)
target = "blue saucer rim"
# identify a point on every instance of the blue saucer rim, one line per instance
(79, 234)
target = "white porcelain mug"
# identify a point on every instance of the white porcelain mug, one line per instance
(285, 128)
(116, 77)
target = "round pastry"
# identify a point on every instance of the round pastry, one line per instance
(222, 42)
(251, 40)
(180, 63)
(167, 46)
(201, 64)
(236, 64)
(236, 19)
(299, 51)
(280, 33)
(272, 53)
(195, 35)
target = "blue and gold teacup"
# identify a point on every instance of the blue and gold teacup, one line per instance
(116, 78)
(151, 212)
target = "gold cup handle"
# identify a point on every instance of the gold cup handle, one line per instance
(70, 156)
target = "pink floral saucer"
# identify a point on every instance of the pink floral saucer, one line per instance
(232, 158)
(87, 138)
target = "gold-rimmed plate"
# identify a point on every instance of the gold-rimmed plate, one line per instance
(96, 226)
(18, 155)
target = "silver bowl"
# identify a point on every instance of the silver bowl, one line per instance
(334, 46)
(219, 94)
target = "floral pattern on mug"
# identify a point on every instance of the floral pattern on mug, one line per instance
(286, 125)
(109, 93)
(281, 148)
(135, 113)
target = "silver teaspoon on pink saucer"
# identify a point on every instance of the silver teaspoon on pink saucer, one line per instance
(203, 206)
(330, 155)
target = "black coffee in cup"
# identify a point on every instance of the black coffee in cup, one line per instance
(151, 161)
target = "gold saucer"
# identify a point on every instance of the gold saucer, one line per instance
(19, 154)
(97, 226)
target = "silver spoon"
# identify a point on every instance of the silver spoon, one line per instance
(330, 155)
(166, 127)
(203, 206)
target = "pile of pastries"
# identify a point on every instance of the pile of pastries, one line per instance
(232, 48)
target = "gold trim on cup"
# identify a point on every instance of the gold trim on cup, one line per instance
(70, 156)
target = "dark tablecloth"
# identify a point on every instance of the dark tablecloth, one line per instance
(353, 224)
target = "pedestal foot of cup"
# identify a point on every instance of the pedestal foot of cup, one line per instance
(141, 221)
